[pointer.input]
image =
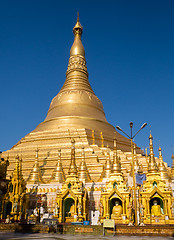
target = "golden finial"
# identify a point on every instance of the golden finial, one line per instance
(73, 167)
(116, 168)
(83, 173)
(102, 139)
(172, 156)
(172, 153)
(152, 166)
(93, 138)
(16, 170)
(77, 47)
(146, 151)
(77, 16)
(35, 175)
(160, 152)
(78, 27)
(151, 142)
(161, 167)
(58, 173)
(107, 167)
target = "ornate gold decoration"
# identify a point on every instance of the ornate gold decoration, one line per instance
(73, 168)
(116, 168)
(155, 189)
(152, 166)
(161, 167)
(35, 176)
(74, 112)
(172, 168)
(83, 173)
(58, 174)
(16, 194)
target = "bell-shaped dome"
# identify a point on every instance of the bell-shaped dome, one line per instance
(76, 105)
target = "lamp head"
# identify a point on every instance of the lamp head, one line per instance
(131, 124)
(143, 126)
(118, 128)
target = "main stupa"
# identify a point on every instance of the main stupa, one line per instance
(75, 167)
(74, 113)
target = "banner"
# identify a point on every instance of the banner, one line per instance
(140, 178)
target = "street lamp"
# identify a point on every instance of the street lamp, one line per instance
(133, 172)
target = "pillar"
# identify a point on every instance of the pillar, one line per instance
(60, 203)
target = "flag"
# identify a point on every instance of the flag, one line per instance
(140, 178)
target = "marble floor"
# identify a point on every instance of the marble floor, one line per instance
(51, 236)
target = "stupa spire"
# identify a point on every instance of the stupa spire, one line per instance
(16, 173)
(136, 164)
(161, 167)
(172, 168)
(107, 167)
(77, 75)
(73, 168)
(76, 105)
(35, 176)
(17, 178)
(83, 173)
(77, 47)
(58, 174)
(152, 166)
(116, 168)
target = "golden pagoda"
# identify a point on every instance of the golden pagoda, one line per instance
(74, 113)
(93, 163)
(115, 196)
(15, 200)
(156, 197)
(58, 174)
(71, 199)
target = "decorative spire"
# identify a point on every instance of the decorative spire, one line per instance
(136, 164)
(83, 173)
(77, 47)
(172, 160)
(58, 174)
(116, 168)
(160, 154)
(172, 168)
(17, 178)
(107, 167)
(152, 166)
(73, 168)
(77, 74)
(76, 105)
(161, 167)
(20, 166)
(16, 174)
(35, 176)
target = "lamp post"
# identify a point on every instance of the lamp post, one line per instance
(131, 137)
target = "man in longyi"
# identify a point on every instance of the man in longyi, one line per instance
(116, 211)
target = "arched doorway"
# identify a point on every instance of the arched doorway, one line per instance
(159, 202)
(67, 203)
(7, 209)
(112, 203)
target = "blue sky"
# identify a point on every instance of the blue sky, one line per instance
(130, 58)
